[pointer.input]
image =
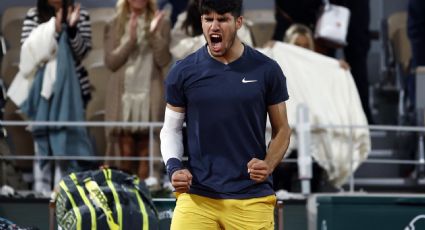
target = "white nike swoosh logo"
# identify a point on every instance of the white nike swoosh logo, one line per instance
(248, 81)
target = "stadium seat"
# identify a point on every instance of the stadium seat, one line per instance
(20, 139)
(94, 58)
(11, 25)
(396, 21)
(397, 36)
(98, 19)
(261, 24)
(97, 134)
(99, 76)
(396, 53)
(402, 49)
(101, 13)
(10, 66)
(97, 28)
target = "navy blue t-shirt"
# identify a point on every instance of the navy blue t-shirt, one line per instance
(226, 112)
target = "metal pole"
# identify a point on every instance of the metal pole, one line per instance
(151, 139)
(304, 153)
(351, 151)
(421, 156)
(160, 124)
(81, 123)
(420, 112)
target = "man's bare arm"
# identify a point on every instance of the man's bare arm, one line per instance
(258, 169)
(281, 133)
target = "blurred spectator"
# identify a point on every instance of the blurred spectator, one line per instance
(188, 23)
(285, 174)
(356, 51)
(301, 35)
(306, 12)
(178, 6)
(79, 34)
(136, 51)
(43, 55)
(416, 31)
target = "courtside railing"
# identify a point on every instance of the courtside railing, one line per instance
(303, 130)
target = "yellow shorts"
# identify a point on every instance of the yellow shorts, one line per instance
(203, 213)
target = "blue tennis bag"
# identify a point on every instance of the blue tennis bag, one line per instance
(104, 199)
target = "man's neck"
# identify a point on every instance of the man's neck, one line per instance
(233, 54)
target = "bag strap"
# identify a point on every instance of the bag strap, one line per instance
(85, 200)
(142, 207)
(108, 179)
(145, 194)
(101, 201)
(75, 208)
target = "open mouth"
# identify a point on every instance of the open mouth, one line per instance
(216, 42)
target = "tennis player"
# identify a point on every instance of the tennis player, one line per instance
(224, 92)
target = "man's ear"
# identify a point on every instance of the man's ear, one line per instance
(239, 21)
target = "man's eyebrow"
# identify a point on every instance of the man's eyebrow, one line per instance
(223, 16)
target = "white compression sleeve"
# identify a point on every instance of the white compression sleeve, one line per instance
(171, 135)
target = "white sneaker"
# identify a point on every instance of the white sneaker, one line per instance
(152, 183)
(168, 186)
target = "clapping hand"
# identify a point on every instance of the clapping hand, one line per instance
(156, 21)
(58, 23)
(73, 17)
(133, 26)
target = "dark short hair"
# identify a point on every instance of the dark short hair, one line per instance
(45, 11)
(192, 25)
(221, 7)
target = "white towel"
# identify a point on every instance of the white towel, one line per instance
(39, 48)
(332, 98)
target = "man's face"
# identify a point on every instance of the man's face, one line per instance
(220, 31)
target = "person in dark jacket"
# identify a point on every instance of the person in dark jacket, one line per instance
(288, 12)
(416, 31)
(357, 49)
(178, 6)
(307, 12)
